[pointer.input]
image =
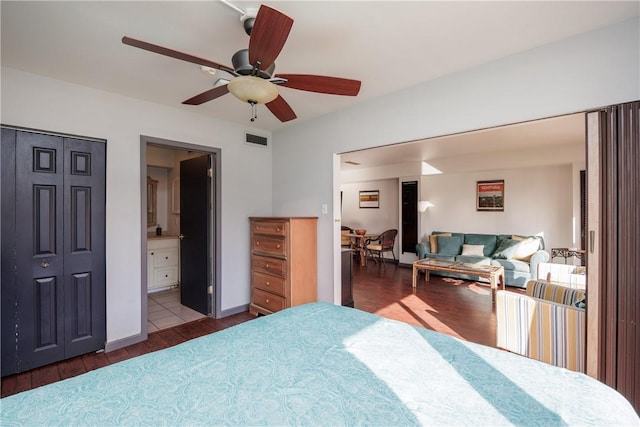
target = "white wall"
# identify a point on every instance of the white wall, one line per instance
(42, 103)
(580, 73)
(537, 201)
(374, 220)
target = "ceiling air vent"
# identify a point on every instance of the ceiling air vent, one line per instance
(256, 139)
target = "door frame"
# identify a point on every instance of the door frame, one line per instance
(214, 239)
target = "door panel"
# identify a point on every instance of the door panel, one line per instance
(39, 250)
(195, 254)
(47, 312)
(84, 246)
(53, 257)
(8, 352)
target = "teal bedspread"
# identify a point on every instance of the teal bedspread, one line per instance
(321, 364)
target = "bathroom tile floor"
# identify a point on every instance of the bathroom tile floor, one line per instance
(165, 311)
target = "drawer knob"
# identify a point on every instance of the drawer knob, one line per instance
(257, 227)
(166, 257)
(266, 266)
(278, 228)
(268, 283)
(266, 300)
(151, 253)
(257, 243)
(278, 246)
(166, 275)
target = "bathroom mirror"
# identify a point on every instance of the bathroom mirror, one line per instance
(152, 208)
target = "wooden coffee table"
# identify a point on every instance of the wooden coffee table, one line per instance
(494, 273)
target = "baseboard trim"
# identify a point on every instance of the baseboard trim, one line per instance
(124, 342)
(234, 310)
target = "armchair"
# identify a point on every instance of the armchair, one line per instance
(380, 244)
(546, 324)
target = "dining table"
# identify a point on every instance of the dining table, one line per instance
(358, 245)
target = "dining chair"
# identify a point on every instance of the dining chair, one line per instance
(384, 242)
(345, 239)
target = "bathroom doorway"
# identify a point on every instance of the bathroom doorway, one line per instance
(180, 248)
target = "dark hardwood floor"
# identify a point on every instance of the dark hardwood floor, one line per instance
(455, 307)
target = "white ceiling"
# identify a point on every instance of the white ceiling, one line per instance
(551, 141)
(387, 45)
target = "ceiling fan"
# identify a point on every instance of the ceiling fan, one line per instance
(252, 79)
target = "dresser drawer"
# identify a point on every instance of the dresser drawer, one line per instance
(268, 283)
(270, 227)
(269, 245)
(268, 300)
(275, 266)
(164, 257)
(165, 276)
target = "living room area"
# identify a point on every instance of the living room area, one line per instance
(535, 171)
(538, 165)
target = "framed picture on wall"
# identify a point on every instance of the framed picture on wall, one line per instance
(490, 196)
(370, 199)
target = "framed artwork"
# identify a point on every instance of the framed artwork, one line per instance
(370, 199)
(490, 196)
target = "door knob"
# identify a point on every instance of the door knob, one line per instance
(181, 236)
(44, 264)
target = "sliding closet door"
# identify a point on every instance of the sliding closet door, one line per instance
(614, 229)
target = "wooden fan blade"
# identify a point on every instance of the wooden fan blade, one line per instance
(173, 53)
(281, 109)
(321, 84)
(207, 96)
(269, 33)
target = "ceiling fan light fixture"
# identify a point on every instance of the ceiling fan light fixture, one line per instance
(253, 89)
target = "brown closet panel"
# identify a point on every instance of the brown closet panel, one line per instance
(620, 249)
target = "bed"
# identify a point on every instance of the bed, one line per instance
(321, 364)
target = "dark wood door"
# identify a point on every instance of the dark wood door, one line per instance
(84, 246)
(195, 229)
(53, 258)
(409, 216)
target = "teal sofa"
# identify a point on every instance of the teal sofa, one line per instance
(519, 255)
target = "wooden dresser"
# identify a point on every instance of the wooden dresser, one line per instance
(284, 264)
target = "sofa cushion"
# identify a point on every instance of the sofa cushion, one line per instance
(506, 249)
(433, 240)
(473, 250)
(512, 264)
(488, 240)
(449, 245)
(525, 248)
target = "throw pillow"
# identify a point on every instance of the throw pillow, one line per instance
(516, 237)
(433, 241)
(526, 248)
(505, 249)
(449, 245)
(473, 250)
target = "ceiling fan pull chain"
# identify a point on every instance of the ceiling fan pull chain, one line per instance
(254, 111)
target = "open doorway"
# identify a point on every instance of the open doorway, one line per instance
(180, 280)
(541, 160)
